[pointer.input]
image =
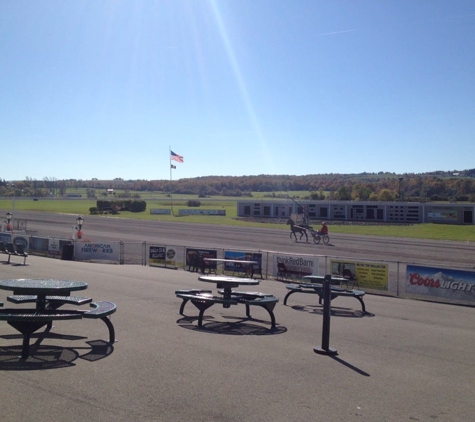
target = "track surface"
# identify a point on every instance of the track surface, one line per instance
(100, 228)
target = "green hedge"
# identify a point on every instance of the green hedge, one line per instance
(122, 205)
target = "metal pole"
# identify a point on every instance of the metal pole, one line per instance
(397, 278)
(171, 184)
(326, 349)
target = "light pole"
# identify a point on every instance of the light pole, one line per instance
(79, 222)
(13, 198)
(400, 181)
(9, 217)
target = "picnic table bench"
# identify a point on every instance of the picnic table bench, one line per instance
(27, 321)
(49, 295)
(102, 309)
(204, 299)
(53, 302)
(313, 288)
(264, 300)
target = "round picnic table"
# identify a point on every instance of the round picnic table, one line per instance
(227, 283)
(231, 261)
(320, 279)
(230, 264)
(42, 288)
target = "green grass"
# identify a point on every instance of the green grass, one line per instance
(81, 206)
(415, 231)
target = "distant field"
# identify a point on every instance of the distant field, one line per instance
(82, 205)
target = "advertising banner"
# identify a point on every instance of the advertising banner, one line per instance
(442, 214)
(298, 266)
(21, 240)
(201, 212)
(5, 237)
(240, 256)
(161, 256)
(194, 258)
(53, 246)
(39, 245)
(368, 274)
(440, 282)
(85, 251)
(160, 211)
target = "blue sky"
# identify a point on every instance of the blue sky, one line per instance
(103, 89)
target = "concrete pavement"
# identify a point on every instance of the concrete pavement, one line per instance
(407, 361)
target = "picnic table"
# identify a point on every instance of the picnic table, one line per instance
(49, 295)
(335, 280)
(316, 287)
(249, 267)
(204, 299)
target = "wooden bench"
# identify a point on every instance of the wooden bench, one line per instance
(282, 272)
(211, 267)
(318, 290)
(253, 269)
(198, 264)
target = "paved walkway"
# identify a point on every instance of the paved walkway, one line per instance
(409, 361)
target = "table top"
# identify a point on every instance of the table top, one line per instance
(42, 286)
(321, 279)
(229, 281)
(236, 261)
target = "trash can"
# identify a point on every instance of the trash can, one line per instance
(67, 253)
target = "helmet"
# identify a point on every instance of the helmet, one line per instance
(323, 223)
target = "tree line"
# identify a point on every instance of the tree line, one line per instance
(435, 186)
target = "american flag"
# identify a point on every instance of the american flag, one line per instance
(176, 157)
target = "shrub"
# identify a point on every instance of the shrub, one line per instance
(137, 206)
(193, 203)
(121, 205)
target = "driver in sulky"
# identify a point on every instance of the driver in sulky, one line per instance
(323, 230)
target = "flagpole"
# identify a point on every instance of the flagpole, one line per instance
(171, 185)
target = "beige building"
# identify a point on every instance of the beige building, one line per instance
(384, 212)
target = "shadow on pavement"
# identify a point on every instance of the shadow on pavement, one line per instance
(239, 327)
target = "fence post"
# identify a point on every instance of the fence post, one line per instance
(121, 253)
(267, 265)
(397, 276)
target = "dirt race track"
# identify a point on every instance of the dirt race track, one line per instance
(100, 228)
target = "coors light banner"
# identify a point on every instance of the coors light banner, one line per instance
(441, 282)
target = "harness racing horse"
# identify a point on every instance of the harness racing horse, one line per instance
(294, 229)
